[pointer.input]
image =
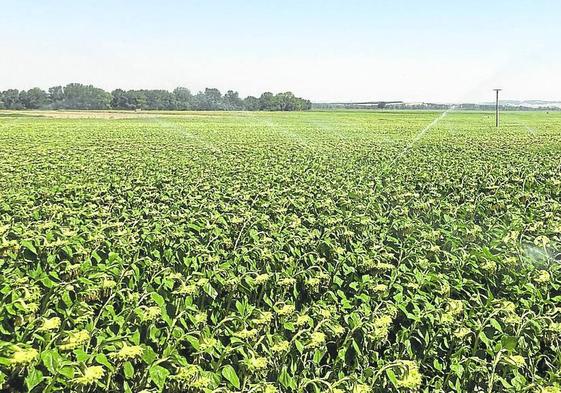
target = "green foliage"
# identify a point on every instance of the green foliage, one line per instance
(87, 97)
(293, 252)
(78, 96)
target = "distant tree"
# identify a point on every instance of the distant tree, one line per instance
(267, 102)
(232, 101)
(159, 99)
(214, 99)
(209, 100)
(183, 98)
(22, 98)
(251, 103)
(11, 99)
(78, 96)
(120, 99)
(199, 102)
(285, 101)
(302, 104)
(137, 99)
(56, 96)
(34, 98)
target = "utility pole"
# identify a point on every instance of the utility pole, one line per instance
(497, 108)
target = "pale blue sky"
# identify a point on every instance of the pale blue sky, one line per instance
(427, 50)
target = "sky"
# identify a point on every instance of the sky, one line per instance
(323, 50)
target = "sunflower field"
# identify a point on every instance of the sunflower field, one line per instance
(280, 252)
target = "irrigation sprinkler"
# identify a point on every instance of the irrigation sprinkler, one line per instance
(497, 108)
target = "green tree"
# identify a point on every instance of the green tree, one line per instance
(209, 100)
(159, 100)
(78, 96)
(232, 101)
(11, 100)
(56, 95)
(267, 102)
(251, 103)
(34, 98)
(183, 98)
(120, 99)
(137, 99)
(285, 101)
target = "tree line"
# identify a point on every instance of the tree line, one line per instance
(84, 97)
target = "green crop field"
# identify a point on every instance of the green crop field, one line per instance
(280, 252)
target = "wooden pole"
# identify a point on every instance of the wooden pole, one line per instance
(497, 108)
